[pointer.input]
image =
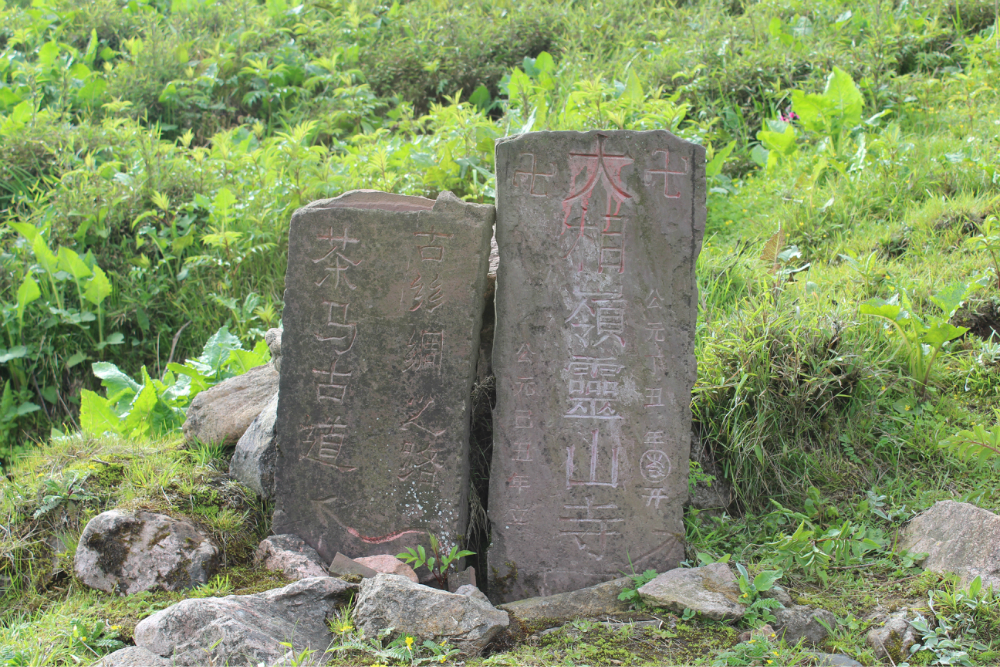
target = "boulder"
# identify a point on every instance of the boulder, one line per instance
(291, 556)
(893, 637)
(550, 610)
(959, 538)
(245, 629)
(123, 552)
(835, 660)
(256, 452)
(389, 601)
(223, 413)
(389, 565)
(802, 622)
(132, 656)
(711, 590)
(466, 577)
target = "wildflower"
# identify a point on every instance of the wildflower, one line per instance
(770, 662)
(409, 643)
(751, 641)
(443, 658)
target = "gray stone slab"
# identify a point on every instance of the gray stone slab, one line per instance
(596, 301)
(342, 565)
(383, 305)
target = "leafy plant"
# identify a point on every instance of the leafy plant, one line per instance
(438, 563)
(988, 239)
(977, 445)
(157, 407)
(922, 339)
(758, 609)
(401, 650)
(630, 594)
(95, 638)
(58, 491)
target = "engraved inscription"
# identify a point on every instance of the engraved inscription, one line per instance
(433, 251)
(531, 178)
(337, 261)
(594, 453)
(591, 532)
(654, 465)
(336, 319)
(600, 316)
(420, 460)
(651, 174)
(335, 386)
(424, 351)
(325, 442)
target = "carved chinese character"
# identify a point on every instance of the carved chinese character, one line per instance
(432, 252)
(600, 312)
(428, 297)
(414, 419)
(592, 530)
(611, 480)
(424, 351)
(335, 387)
(338, 263)
(420, 460)
(654, 465)
(325, 442)
(651, 174)
(527, 179)
(336, 320)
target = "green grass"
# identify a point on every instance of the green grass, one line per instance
(167, 143)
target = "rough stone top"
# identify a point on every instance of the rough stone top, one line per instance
(375, 199)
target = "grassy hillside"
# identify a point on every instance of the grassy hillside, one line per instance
(151, 154)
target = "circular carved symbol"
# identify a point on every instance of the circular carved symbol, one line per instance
(654, 465)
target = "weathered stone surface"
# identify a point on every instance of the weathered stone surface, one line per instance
(472, 591)
(245, 629)
(894, 636)
(835, 660)
(593, 353)
(959, 538)
(253, 461)
(273, 340)
(802, 622)
(710, 590)
(291, 556)
(383, 305)
(124, 552)
(388, 601)
(223, 413)
(389, 565)
(593, 601)
(132, 656)
(466, 577)
(342, 565)
(778, 593)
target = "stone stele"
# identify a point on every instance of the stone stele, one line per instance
(383, 305)
(594, 356)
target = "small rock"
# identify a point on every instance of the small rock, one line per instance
(765, 632)
(711, 590)
(273, 340)
(342, 566)
(388, 601)
(132, 656)
(222, 414)
(959, 538)
(389, 565)
(466, 577)
(778, 593)
(803, 622)
(599, 600)
(291, 556)
(256, 452)
(121, 552)
(473, 592)
(835, 660)
(245, 629)
(894, 637)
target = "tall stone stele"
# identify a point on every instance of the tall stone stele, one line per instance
(383, 305)
(596, 303)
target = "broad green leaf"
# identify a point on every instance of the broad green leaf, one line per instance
(44, 256)
(241, 361)
(26, 293)
(138, 423)
(224, 200)
(714, 166)
(114, 379)
(882, 308)
(951, 297)
(544, 63)
(96, 415)
(71, 263)
(774, 244)
(25, 229)
(765, 580)
(810, 110)
(16, 352)
(940, 333)
(781, 142)
(27, 408)
(77, 358)
(481, 97)
(843, 98)
(98, 288)
(633, 88)
(217, 349)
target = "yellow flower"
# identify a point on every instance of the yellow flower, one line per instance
(770, 662)
(83, 638)
(409, 642)
(443, 657)
(751, 641)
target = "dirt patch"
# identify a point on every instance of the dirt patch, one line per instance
(965, 221)
(984, 322)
